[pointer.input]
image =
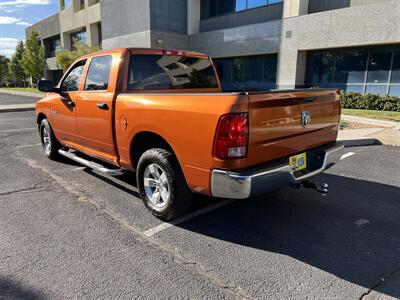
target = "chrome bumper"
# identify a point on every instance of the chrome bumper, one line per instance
(225, 184)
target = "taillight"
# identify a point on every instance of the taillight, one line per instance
(232, 136)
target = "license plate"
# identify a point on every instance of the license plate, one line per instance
(298, 162)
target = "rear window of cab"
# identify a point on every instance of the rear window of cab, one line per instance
(162, 72)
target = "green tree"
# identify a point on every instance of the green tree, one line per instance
(4, 75)
(15, 68)
(65, 58)
(33, 61)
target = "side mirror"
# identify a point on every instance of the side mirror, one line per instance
(46, 86)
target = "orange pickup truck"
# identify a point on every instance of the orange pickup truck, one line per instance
(163, 115)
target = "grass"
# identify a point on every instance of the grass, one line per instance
(373, 114)
(32, 90)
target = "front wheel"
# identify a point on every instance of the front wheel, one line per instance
(50, 144)
(162, 185)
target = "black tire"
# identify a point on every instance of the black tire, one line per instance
(180, 198)
(45, 131)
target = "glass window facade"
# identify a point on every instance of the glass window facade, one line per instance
(374, 70)
(248, 73)
(213, 8)
(80, 36)
(396, 67)
(55, 44)
(315, 6)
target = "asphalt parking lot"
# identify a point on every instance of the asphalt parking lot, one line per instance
(67, 232)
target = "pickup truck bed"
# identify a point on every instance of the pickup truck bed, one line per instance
(163, 115)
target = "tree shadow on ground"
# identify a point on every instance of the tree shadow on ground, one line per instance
(15, 291)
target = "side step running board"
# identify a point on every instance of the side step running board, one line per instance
(91, 164)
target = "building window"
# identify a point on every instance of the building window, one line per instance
(350, 66)
(80, 36)
(57, 75)
(213, 8)
(65, 4)
(248, 73)
(315, 6)
(321, 65)
(396, 67)
(93, 2)
(100, 32)
(379, 66)
(374, 70)
(55, 45)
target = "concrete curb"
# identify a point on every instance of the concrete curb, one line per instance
(16, 110)
(370, 136)
(23, 94)
(360, 142)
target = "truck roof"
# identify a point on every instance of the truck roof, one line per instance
(149, 51)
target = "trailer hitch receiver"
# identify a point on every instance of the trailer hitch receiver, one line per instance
(319, 187)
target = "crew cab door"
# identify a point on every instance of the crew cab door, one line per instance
(63, 111)
(94, 108)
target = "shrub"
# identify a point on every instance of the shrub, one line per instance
(65, 58)
(370, 102)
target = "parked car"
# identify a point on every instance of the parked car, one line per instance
(163, 115)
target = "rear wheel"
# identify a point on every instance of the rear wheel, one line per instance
(162, 185)
(50, 144)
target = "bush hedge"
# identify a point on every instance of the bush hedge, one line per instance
(369, 101)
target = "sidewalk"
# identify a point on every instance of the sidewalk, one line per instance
(17, 107)
(387, 134)
(376, 122)
(21, 93)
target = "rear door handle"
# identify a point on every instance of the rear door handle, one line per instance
(102, 106)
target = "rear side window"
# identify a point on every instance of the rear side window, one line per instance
(73, 79)
(99, 73)
(161, 72)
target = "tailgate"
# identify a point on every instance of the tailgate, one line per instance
(277, 128)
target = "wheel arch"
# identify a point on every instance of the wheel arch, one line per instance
(145, 140)
(41, 116)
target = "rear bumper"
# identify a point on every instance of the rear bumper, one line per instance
(226, 184)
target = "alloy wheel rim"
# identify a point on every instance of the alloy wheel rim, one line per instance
(156, 186)
(46, 140)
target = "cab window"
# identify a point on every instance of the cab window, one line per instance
(99, 73)
(158, 72)
(73, 79)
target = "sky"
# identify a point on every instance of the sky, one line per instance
(16, 15)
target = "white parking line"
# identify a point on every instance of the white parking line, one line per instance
(17, 130)
(31, 145)
(78, 169)
(347, 155)
(165, 225)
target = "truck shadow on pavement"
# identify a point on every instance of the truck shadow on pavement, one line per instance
(353, 233)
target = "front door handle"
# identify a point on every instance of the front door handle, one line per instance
(71, 103)
(102, 106)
